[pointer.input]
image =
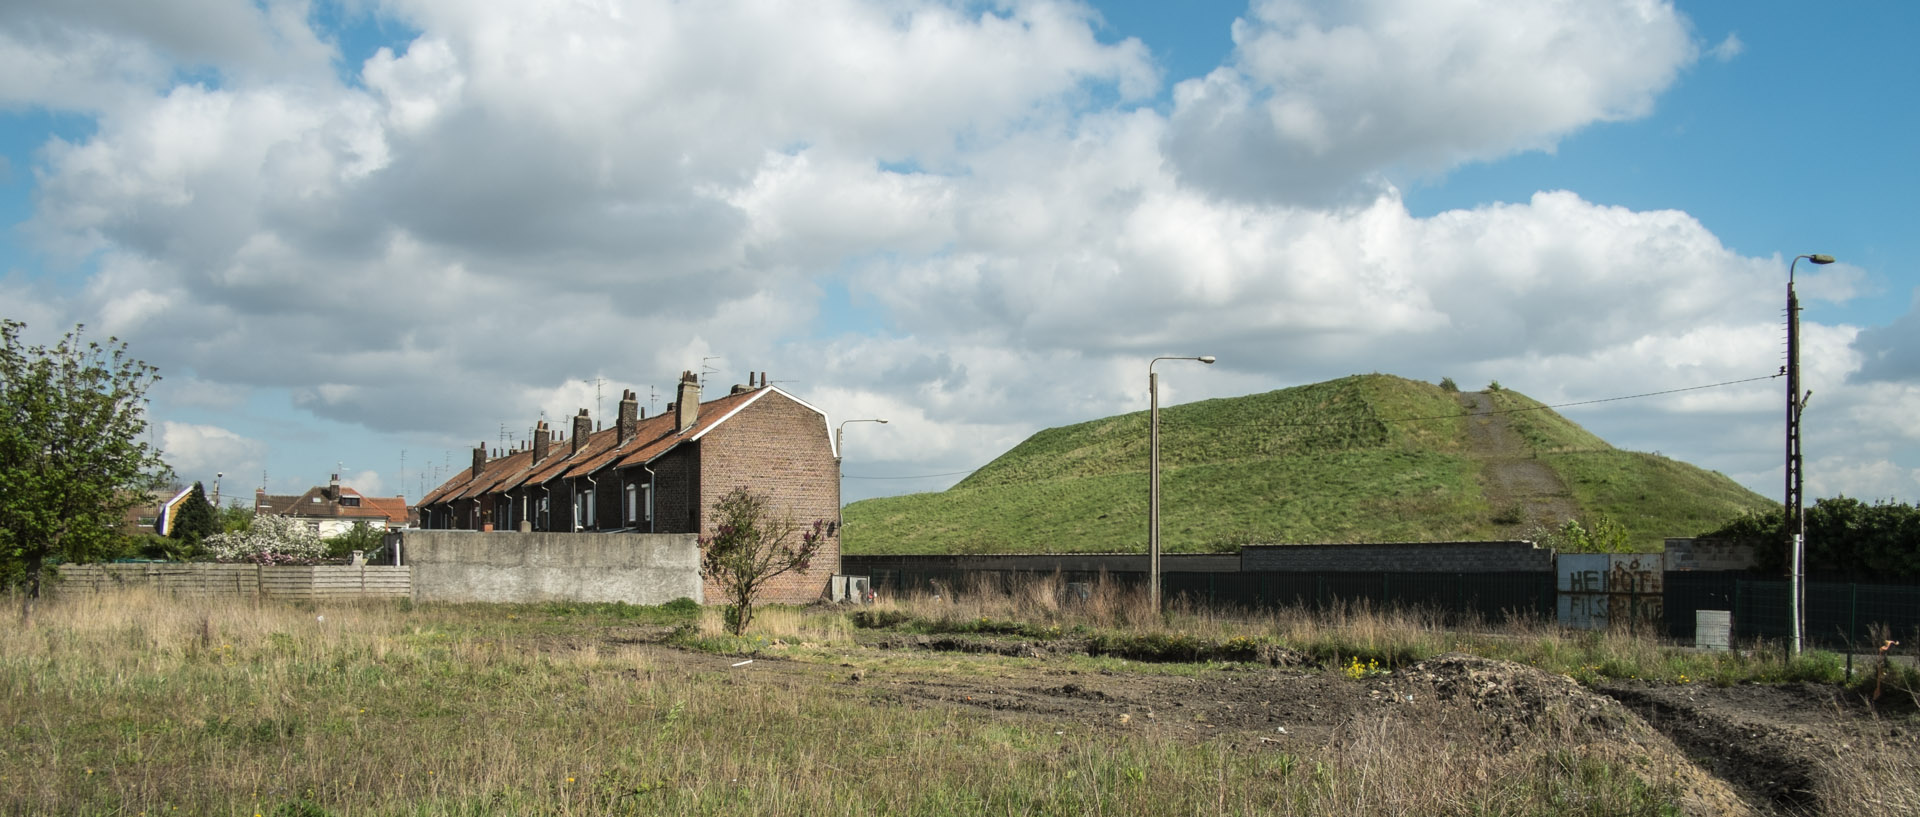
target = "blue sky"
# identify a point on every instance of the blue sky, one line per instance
(350, 231)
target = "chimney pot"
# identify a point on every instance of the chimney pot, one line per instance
(687, 402)
(629, 420)
(582, 430)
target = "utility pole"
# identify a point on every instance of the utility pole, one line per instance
(1796, 500)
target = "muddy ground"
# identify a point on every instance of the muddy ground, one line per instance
(1749, 749)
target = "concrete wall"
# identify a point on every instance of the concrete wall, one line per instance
(1406, 557)
(453, 565)
(1069, 562)
(1709, 554)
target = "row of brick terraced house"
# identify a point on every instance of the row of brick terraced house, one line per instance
(659, 474)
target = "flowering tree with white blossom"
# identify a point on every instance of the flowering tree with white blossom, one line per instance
(271, 540)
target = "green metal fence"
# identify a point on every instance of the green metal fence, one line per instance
(1489, 596)
(1839, 615)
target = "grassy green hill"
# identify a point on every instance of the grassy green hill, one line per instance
(1369, 458)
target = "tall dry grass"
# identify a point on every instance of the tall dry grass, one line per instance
(1392, 635)
(134, 703)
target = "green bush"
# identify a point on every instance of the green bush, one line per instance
(155, 546)
(362, 537)
(1844, 536)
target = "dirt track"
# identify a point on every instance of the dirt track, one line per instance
(1509, 476)
(1745, 749)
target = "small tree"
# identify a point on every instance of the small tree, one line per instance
(361, 537)
(235, 518)
(750, 546)
(1447, 384)
(194, 519)
(72, 460)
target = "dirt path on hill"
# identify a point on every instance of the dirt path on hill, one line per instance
(1517, 486)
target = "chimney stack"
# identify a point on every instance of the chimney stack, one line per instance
(629, 421)
(479, 459)
(541, 438)
(333, 489)
(582, 428)
(687, 402)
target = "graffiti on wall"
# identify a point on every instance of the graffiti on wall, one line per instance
(1602, 590)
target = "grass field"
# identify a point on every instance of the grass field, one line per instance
(136, 704)
(1370, 458)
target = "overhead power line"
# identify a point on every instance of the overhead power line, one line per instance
(1433, 417)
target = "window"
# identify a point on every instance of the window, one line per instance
(350, 501)
(546, 512)
(633, 503)
(593, 519)
(313, 526)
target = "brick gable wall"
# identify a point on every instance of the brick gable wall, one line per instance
(779, 447)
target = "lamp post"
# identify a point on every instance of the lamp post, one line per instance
(217, 476)
(1153, 476)
(839, 515)
(1795, 500)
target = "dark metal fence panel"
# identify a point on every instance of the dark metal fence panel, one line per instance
(1838, 614)
(1690, 591)
(1490, 596)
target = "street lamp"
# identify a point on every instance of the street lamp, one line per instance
(839, 515)
(217, 476)
(1796, 404)
(1153, 478)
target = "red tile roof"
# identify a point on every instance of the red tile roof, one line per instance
(653, 437)
(315, 504)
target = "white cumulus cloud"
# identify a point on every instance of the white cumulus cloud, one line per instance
(1321, 97)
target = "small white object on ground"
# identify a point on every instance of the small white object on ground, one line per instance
(744, 663)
